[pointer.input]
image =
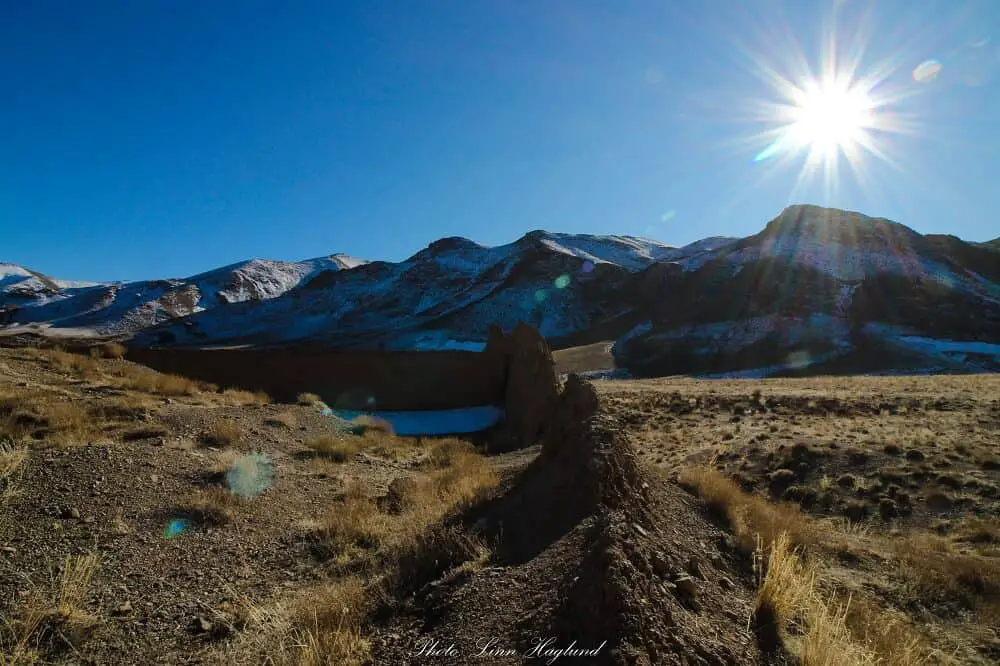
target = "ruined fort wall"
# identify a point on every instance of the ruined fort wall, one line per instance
(396, 380)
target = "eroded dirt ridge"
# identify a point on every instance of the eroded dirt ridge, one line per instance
(589, 553)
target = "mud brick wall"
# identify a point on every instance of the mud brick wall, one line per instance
(396, 380)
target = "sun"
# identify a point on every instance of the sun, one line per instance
(827, 118)
(839, 114)
(830, 117)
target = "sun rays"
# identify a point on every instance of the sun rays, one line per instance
(830, 111)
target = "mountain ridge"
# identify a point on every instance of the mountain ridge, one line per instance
(814, 285)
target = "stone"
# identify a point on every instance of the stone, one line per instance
(124, 609)
(73, 513)
(686, 586)
(202, 625)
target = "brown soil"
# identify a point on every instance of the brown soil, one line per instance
(587, 550)
(116, 489)
(585, 358)
(892, 483)
(590, 537)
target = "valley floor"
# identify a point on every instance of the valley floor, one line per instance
(150, 519)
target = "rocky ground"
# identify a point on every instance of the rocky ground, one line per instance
(893, 482)
(150, 519)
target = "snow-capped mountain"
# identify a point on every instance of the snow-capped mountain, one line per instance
(30, 298)
(826, 289)
(816, 290)
(445, 296)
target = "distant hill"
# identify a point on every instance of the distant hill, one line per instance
(817, 290)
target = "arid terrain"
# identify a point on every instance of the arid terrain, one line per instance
(147, 518)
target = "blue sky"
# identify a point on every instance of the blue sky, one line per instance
(165, 137)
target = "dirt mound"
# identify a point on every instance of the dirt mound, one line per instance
(589, 553)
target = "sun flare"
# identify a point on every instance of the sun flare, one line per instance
(839, 114)
(831, 116)
(826, 118)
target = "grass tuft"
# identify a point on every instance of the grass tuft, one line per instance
(339, 448)
(222, 434)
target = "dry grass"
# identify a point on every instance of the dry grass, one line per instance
(935, 570)
(240, 397)
(145, 380)
(360, 523)
(222, 434)
(283, 420)
(223, 462)
(114, 350)
(827, 630)
(330, 621)
(750, 517)
(339, 448)
(309, 399)
(843, 628)
(351, 527)
(402, 536)
(78, 365)
(321, 626)
(12, 457)
(46, 622)
(591, 357)
(214, 505)
(49, 418)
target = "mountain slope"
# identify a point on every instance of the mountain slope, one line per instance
(820, 287)
(817, 290)
(445, 296)
(28, 297)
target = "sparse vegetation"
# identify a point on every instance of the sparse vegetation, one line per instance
(338, 448)
(113, 350)
(282, 420)
(48, 622)
(309, 399)
(214, 505)
(222, 434)
(44, 417)
(144, 432)
(240, 397)
(872, 525)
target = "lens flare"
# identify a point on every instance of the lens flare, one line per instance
(588, 267)
(541, 295)
(356, 400)
(175, 528)
(926, 71)
(562, 281)
(250, 475)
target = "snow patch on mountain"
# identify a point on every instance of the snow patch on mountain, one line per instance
(262, 279)
(631, 252)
